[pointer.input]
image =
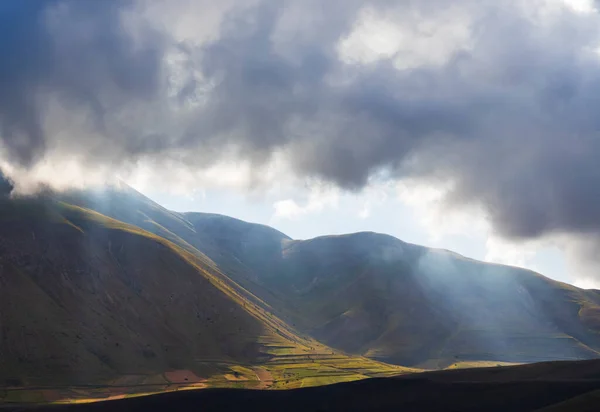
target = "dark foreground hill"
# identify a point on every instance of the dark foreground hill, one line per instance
(541, 387)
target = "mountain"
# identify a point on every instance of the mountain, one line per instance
(541, 387)
(376, 296)
(92, 303)
(105, 286)
(87, 297)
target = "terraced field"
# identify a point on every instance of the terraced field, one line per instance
(281, 372)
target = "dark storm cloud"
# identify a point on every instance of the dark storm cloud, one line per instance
(266, 98)
(512, 120)
(77, 51)
(509, 114)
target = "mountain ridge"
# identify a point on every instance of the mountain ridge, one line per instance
(391, 249)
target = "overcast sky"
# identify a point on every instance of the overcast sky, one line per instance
(469, 125)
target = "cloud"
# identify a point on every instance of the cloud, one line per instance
(494, 102)
(507, 253)
(365, 212)
(447, 228)
(72, 65)
(587, 283)
(319, 198)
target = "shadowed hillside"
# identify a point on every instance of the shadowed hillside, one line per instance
(92, 307)
(377, 296)
(410, 304)
(85, 298)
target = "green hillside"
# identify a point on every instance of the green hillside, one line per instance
(91, 306)
(241, 249)
(86, 298)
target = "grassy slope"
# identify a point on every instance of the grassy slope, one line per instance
(87, 299)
